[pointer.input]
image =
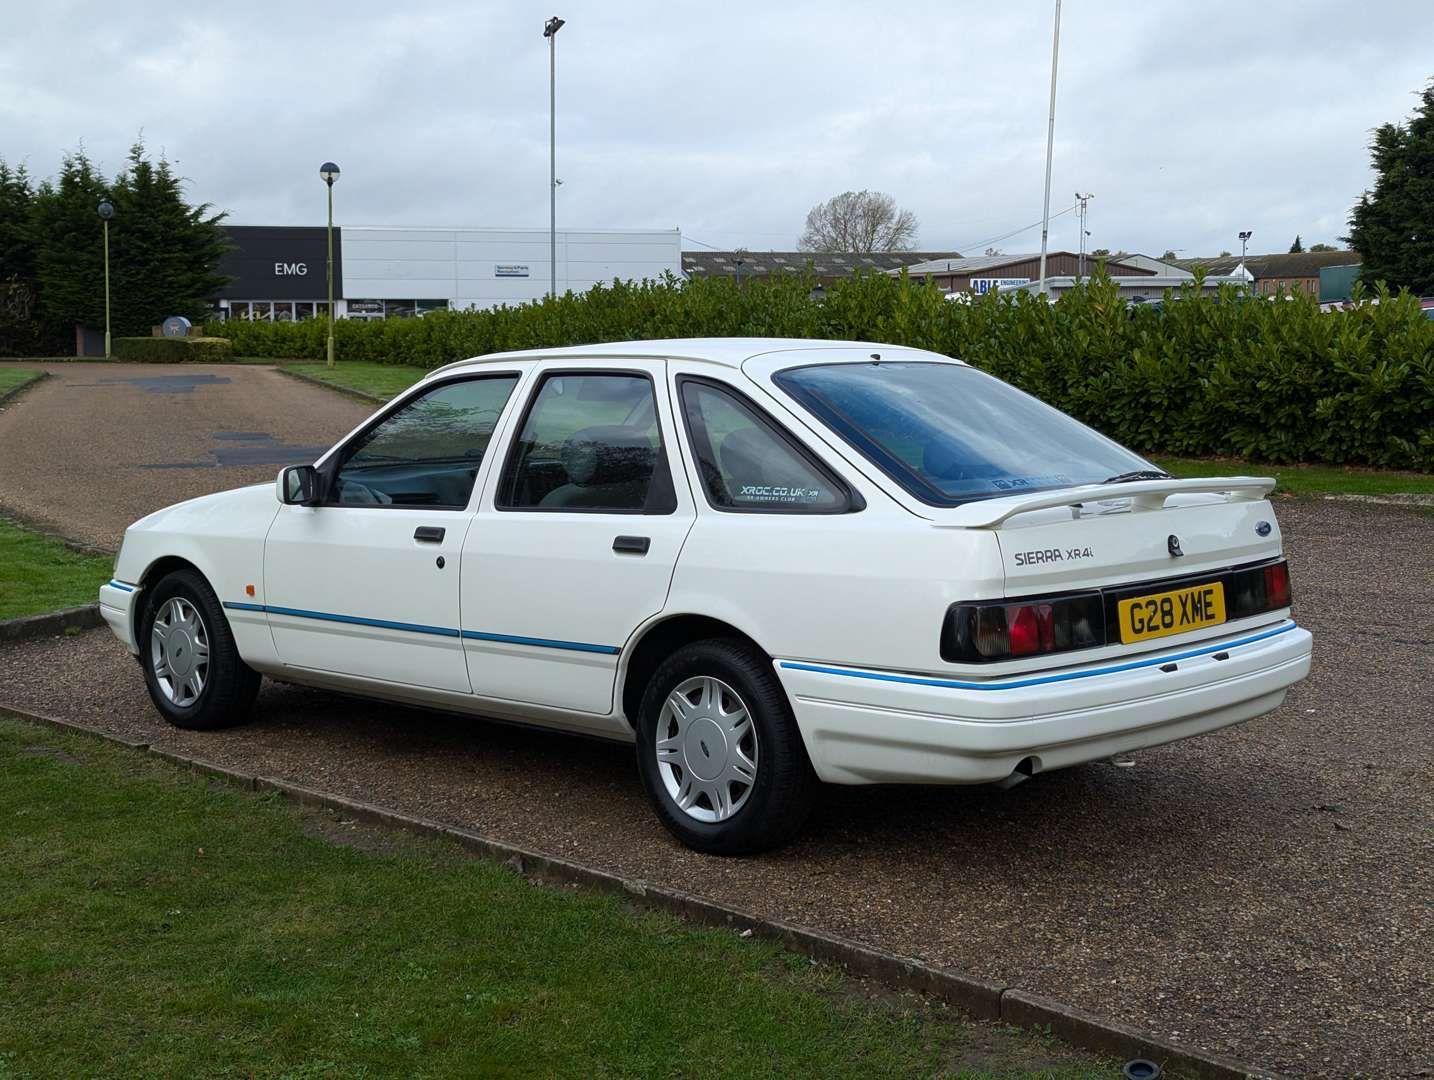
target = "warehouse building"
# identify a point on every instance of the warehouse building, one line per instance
(982, 273)
(1277, 273)
(279, 272)
(826, 266)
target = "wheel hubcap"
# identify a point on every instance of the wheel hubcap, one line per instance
(706, 749)
(179, 652)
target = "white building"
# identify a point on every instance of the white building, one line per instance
(278, 273)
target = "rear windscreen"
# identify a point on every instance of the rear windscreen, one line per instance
(949, 434)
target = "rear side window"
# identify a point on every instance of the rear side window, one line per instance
(748, 464)
(427, 452)
(589, 443)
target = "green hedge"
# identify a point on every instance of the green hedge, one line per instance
(1276, 381)
(162, 350)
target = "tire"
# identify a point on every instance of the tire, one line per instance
(707, 756)
(192, 689)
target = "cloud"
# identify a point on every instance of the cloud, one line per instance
(732, 120)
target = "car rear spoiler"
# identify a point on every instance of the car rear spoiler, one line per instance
(1143, 495)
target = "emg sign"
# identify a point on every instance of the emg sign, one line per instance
(278, 262)
(982, 285)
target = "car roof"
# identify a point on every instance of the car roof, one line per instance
(724, 351)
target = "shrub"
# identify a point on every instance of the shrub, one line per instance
(162, 350)
(1272, 380)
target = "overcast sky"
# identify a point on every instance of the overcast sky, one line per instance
(1188, 121)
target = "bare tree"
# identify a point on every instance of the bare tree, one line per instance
(859, 221)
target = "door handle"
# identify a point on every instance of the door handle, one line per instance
(632, 545)
(429, 534)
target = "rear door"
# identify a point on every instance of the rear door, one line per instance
(577, 536)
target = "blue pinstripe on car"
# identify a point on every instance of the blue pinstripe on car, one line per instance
(120, 585)
(955, 684)
(420, 628)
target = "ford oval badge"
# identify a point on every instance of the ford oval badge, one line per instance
(1262, 528)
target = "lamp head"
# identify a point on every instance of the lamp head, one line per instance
(106, 210)
(552, 26)
(330, 172)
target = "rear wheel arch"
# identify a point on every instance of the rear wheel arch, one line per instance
(661, 640)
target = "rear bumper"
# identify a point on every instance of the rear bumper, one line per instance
(863, 727)
(118, 601)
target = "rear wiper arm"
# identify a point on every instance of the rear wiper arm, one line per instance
(1138, 474)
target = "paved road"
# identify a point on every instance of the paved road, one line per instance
(1266, 892)
(96, 446)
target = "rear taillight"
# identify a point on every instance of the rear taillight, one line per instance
(1277, 585)
(1257, 590)
(993, 630)
(996, 631)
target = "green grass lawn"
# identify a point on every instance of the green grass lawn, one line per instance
(12, 378)
(157, 924)
(40, 574)
(376, 380)
(1308, 479)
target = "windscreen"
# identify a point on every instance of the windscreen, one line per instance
(950, 434)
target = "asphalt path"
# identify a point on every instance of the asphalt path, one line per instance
(96, 446)
(1266, 892)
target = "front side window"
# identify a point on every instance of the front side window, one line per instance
(949, 434)
(747, 463)
(589, 443)
(426, 453)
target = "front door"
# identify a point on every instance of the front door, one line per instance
(576, 537)
(366, 584)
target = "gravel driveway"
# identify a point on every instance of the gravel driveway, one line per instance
(96, 446)
(1266, 892)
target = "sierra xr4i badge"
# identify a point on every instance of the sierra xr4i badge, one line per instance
(1045, 555)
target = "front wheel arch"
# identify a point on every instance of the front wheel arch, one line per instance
(154, 573)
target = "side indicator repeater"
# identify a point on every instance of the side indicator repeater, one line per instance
(248, 590)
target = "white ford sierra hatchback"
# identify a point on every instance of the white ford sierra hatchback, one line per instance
(766, 562)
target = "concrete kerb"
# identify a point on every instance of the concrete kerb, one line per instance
(29, 384)
(347, 391)
(50, 623)
(981, 998)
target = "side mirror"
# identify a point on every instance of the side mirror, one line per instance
(298, 485)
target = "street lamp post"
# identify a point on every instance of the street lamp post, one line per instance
(330, 172)
(550, 31)
(1244, 241)
(106, 211)
(1082, 200)
(1050, 149)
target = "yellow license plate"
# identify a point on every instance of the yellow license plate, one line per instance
(1171, 612)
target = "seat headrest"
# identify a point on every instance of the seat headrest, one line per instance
(607, 454)
(742, 456)
(944, 459)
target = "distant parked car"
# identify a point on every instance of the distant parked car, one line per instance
(767, 563)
